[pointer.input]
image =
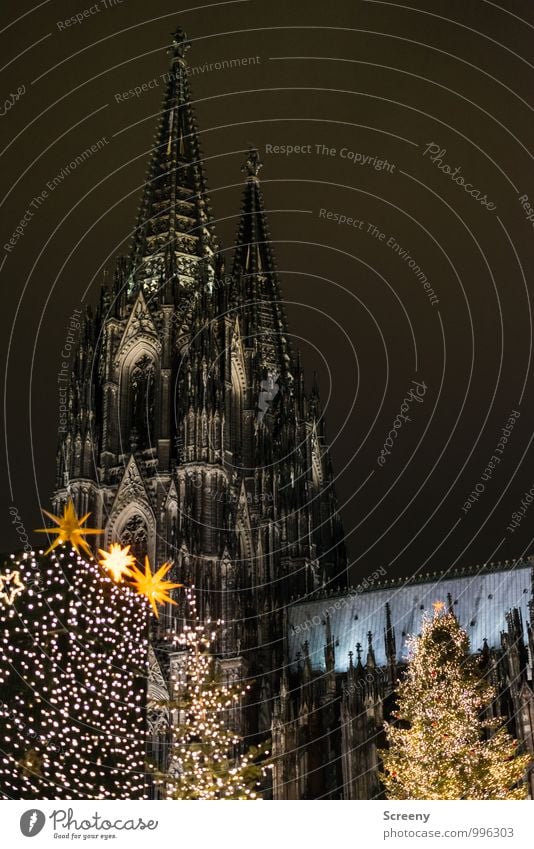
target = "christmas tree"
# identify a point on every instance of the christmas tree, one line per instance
(73, 674)
(443, 746)
(206, 760)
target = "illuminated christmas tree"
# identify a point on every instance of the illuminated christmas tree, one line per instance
(206, 761)
(444, 745)
(73, 675)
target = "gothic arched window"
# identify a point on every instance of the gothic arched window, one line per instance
(142, 400)
(135, 534)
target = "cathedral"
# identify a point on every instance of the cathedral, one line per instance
(189, 435)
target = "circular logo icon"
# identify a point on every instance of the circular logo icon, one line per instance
(32, 822)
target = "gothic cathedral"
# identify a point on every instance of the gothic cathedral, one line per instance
(190, 435)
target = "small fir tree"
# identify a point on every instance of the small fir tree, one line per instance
(207, 760)
(443, 747)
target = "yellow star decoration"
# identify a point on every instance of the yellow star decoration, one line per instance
(118, 561)
(70, 529)
(16, 586)
(438, 607)
(152, 585)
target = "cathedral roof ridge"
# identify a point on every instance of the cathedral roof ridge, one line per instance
(368, 585)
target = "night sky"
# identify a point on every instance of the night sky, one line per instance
(399, 223)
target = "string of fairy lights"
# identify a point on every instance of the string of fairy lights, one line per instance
(447, 746)
(75, 653)
(206, 762)
(74, 650)
(74, 657)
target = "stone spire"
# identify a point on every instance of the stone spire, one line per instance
(174, 236)
(371, 662)
(254, 273)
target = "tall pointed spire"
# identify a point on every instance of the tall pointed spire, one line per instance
(254, 273)
(253, 251)
(371, 662)
(175, 217)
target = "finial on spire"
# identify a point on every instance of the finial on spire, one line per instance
(180, 43)
(253, 163)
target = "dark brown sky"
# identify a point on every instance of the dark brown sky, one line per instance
(375, 79)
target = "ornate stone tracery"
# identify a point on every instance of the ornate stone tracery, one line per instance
(163, 432)
(135, 534)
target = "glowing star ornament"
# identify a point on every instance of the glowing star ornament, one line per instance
(152, 585)
(11, 586)
(70, 529)
(117, 561)
(438, 607)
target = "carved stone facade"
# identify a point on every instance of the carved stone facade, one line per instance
(190, 436)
